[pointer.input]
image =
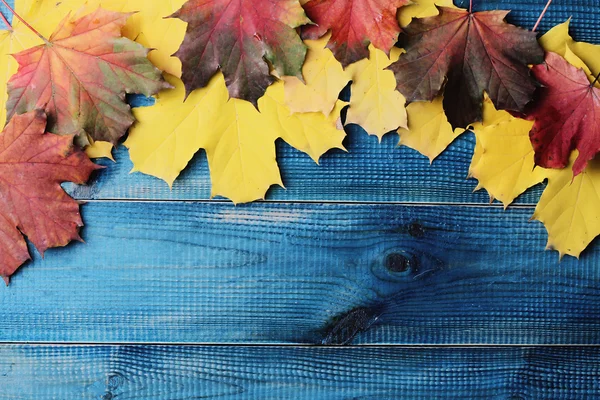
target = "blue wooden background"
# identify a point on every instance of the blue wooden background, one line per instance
(432, 292)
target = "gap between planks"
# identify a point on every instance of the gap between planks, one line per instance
(293, 202)
(301, 345)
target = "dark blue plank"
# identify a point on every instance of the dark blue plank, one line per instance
(369, 172)
(305, 273)
(585, 14)
(216, 372)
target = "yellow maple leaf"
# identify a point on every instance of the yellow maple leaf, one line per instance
(503, 162)
(557, 40)
(312, 133)
(375, 104)
(421, 9)
(100, 149)
(239, 141)
(429, 131)
(569, 208)
(324, 79)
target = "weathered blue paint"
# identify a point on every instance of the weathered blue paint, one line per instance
(294, 273)
(305, 273)
(369, 172)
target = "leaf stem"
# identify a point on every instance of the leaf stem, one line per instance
(22, 20)
(471, 6)
(8, 25)
(595, 80)
(541, 16)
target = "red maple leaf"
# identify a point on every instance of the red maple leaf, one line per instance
(80, 77)
(236, 36)
(33, 164)
(354, 24)
(465, 54)
(566, 114)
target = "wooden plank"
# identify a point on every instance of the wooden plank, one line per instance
(216, 372)
(305, 273)
(370, 172)
(583, 13)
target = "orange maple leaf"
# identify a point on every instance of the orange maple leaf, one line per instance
(80, 76)
(32, 202)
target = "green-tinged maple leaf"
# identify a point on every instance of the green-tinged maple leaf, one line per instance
(354, 24)
(236, 36)
(463, 54)
(80, 77)
(33, 164)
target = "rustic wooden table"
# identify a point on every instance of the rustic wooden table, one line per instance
(435, 293)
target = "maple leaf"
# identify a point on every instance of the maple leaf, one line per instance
(19, 37)
(324, 79)
(558, 40)
(80, 77)
(429, 131)
(375, 104)
(238, 139)
(567, 115)
(503, 159)
(354, 24)
(421, 9)
(464, 54)
(236, 36)
(32, 202)
(147, 25)
(569, 209)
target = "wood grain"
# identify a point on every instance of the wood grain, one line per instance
(217, 372)
(285, 273)
(305, 273)
(369, 172)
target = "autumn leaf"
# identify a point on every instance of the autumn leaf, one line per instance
(558, 40)
(45, 17)
(18, 37)
(235, 37)
(503, 163)
(32, 202)
(80, 77)
(148, 25)
(429, 131)
(324, 79)
(566, 114)
(421, 9)
(238, 139)
(375, 104)
(463, 55)
(354, 24)
(569, 209)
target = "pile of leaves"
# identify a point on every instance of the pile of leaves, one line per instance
(233, 76)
